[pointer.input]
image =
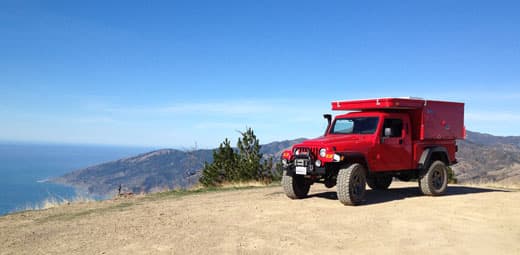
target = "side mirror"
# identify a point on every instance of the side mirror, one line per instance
(388, 132)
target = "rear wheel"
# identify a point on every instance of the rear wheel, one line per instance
(435, 181)
(379, 182)
(351, 184)
(295, 186)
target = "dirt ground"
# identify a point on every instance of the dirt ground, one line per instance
(467, 220)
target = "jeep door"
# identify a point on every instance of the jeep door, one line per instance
(395, 144)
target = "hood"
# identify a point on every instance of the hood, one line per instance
(340, 142)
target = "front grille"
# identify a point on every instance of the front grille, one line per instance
(306, 151)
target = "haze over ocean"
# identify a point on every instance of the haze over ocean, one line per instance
(24, 167)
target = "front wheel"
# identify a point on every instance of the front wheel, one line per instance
(435, 181)
(295, 186)
(351, 183)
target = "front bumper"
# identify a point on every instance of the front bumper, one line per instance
(303, 166)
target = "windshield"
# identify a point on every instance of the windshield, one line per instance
(360, 125)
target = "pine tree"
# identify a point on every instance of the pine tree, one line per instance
(278, 172)
(224, 167)
(249, 156)
(210, 175)
(244, 165)
(267, 171)
(228, 162)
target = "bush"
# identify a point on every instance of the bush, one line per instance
(451, 176)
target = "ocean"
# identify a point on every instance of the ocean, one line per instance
(24, 169)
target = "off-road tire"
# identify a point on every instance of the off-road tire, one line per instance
(351, 183)
(435, 180)
(379, 182)
(295, 186)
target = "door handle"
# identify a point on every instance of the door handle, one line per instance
(400, 141)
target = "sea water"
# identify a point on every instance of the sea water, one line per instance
(25, 169)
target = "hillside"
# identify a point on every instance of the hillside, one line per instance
(487, 139)
(487, 158)
(265, 221)
(156, 170)
(482, 158)
(153, 171)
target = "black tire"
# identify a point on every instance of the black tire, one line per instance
(329, 183)
(295, 186)
(435, 181)
(379, 182)
(351, 183)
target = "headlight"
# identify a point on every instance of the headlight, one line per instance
(297, 152)
(318, 163)
(323, 152)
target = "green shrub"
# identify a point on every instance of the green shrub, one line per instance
(240, 165)
(451, 176)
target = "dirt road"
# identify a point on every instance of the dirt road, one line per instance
(263, 221)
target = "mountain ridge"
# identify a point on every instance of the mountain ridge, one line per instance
(152, 171)
(482, 158)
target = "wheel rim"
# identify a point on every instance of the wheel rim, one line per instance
(357, 187)
(438, 178)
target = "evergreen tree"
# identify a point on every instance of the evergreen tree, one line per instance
(267, 171)
(277, 172)
(249, 156)
(210, 175)
(224, 166)
(243, 164)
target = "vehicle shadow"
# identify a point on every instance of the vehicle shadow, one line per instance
(399, 193)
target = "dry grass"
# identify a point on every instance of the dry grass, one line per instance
(231, 185)
(244, 184)
(500, 185)
(198, 189)
(52, 202)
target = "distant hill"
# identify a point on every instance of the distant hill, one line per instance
(166, 168)
(482, 158)
(156, 170)
(275, 149)
(488, 158)
(487, 139)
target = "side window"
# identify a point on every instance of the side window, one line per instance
(392, 128)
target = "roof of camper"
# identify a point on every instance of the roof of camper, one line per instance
(383, 103)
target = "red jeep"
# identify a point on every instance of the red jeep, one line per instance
(377, 140)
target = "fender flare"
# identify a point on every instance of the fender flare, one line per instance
(356, 157)
(425, 159)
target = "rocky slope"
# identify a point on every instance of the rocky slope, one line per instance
(488, 158)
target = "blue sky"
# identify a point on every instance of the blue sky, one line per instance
(180, 73)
